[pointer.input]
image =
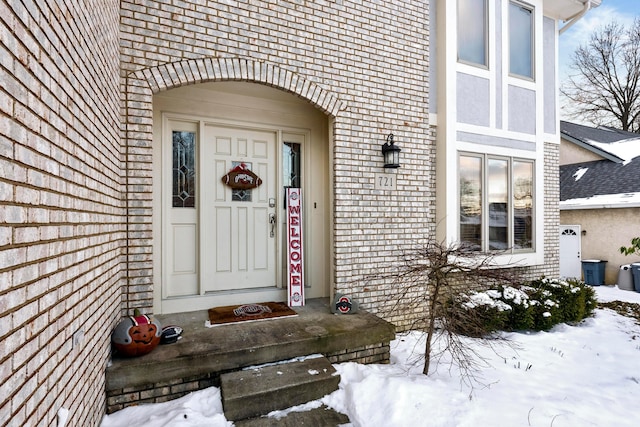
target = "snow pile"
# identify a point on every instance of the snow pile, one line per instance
(200, 409)
(490, 298)
(493, 298)
(585, 375)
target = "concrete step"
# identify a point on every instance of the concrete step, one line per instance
(318, 417)
(256, 391)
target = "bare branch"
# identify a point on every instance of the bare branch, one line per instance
(605, 86)
(431, 278)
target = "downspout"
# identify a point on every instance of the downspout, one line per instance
(575, 18)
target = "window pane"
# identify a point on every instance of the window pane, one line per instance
(497, 195)
(471, 201)
(472, 31)
(238, 194)
(184, 169)
(522, 204)
(520, 40)
(291, 164)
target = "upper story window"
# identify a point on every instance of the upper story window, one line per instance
(496, 202)
(472, 31)
(521, 40)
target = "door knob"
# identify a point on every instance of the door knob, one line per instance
(272, 222)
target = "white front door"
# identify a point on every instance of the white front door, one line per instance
(221, 243)
(238, 227)
(570, 258)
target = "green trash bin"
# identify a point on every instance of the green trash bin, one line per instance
(593, 271)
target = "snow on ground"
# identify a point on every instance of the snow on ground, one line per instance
(584, 375)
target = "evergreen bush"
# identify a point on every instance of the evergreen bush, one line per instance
(537, 305)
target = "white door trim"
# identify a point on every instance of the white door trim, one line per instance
(164, 304)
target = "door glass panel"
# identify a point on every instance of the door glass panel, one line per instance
(239, 194)
(291, 164)
(184, 169)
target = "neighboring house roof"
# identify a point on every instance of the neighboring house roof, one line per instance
(610, 143)
(611, 182)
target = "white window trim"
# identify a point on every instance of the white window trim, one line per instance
(507, 29)
(513, 258)
(487, 39)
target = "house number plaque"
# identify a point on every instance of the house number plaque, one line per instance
(385, 181)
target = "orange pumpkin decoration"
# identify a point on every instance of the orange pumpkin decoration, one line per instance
(136, 335)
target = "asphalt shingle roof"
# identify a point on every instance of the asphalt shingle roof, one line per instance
(600, 177)
(602, 134)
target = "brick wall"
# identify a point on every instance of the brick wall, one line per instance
(62, 217)
(363, 63)
(551, 266)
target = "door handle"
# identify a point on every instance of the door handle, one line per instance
(272, 222)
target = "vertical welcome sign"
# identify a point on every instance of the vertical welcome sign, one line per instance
(295, 271)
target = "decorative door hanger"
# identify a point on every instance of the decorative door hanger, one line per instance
(241, 178)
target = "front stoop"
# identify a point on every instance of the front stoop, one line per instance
(254, 392)
(204, 354)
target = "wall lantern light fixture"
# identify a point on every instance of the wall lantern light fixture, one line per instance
(391, 153)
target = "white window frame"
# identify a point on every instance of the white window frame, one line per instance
(484, 236)
(532, 48)
(459, 28)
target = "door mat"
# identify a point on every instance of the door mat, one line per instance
(248, 313)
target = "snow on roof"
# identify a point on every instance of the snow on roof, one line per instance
(627, 149)
(622, 200)
(619, 145)
(578, 174)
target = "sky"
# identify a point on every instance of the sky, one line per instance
(571, 376)
(622, 11)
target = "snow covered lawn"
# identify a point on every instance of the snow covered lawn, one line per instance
(584, 375)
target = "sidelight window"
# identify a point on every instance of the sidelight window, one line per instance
(184, 169)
